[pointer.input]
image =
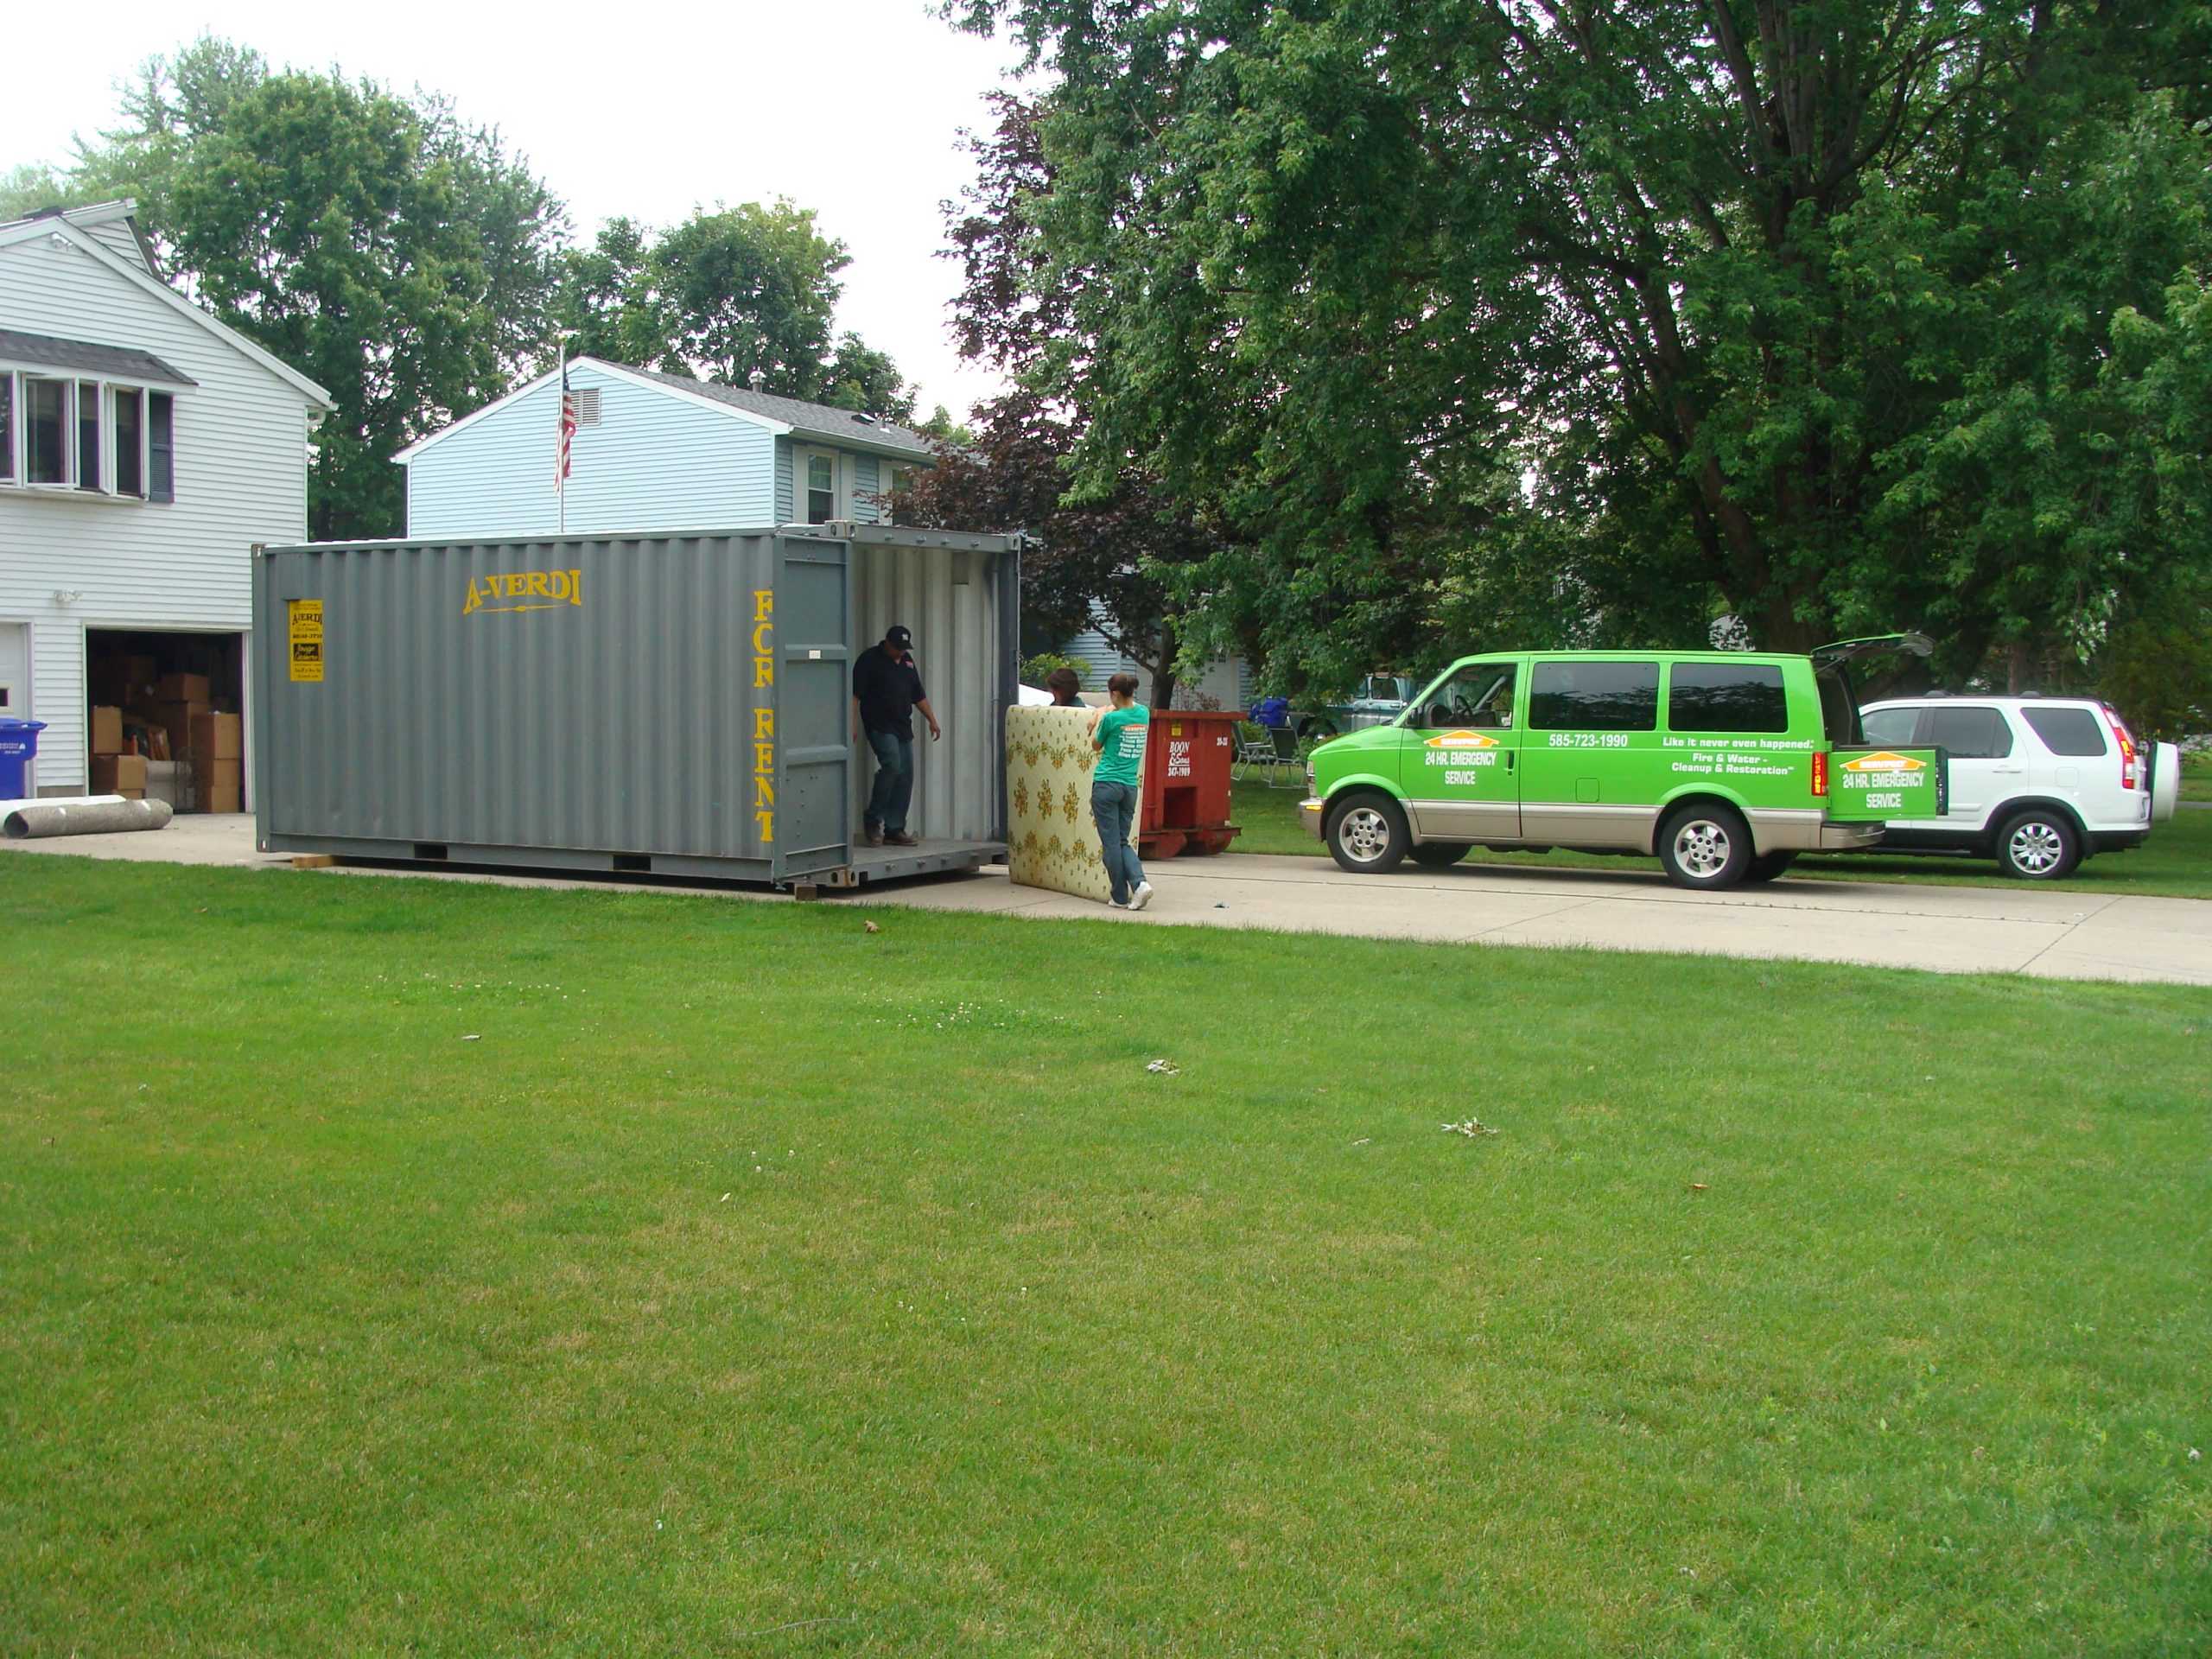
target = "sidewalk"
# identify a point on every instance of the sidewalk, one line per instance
(1949, 930)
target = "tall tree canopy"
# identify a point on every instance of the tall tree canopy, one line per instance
(1840, 317)
(742, 295)
(381, 246)
(1108, 558)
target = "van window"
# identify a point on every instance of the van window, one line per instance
(1594, 696)
(1478, 696)
(1969, 734)
(2067, 731)
(1890, 728)
(1727, 697)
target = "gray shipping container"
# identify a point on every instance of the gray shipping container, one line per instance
(678, 704)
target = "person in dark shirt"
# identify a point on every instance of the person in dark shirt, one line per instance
(887, 689)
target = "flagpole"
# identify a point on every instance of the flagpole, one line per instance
(561, 432)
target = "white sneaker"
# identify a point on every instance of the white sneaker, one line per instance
(1142, 897)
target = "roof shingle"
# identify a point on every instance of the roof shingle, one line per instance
(50, 352)
(815, 420)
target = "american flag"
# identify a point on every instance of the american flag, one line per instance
(567, 431)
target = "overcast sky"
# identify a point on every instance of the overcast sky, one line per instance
(850, 107)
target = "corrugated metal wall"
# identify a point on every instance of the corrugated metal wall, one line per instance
(623, 724)
(947, 598)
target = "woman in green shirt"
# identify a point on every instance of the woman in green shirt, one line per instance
(1118, 732)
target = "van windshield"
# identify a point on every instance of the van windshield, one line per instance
(1839, 707)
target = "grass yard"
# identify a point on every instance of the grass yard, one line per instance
(2197, 776)
(2176, 862)
(403, 1266)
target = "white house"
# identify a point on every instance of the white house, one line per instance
(651, 452)
(144, 448)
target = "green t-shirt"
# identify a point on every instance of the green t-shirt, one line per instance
(1120, 738)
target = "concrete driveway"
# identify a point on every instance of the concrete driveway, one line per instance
(1949, 930)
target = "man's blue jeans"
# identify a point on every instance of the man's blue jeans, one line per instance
(1114, 809)
(889, 796)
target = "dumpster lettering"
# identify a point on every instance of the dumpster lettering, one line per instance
(764, 719)
(539, 590)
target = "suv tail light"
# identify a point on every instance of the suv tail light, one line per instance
(2126, 745)
(1819, 774)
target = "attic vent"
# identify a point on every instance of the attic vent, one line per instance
(865, 420)
(586, 399)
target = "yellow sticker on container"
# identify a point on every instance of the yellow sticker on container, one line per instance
(303, 619)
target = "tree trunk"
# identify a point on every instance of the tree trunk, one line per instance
(1163, 668)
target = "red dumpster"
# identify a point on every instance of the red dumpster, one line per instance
(1186, 783)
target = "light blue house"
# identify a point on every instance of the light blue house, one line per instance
(651, 452)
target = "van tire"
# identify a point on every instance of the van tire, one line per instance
(1706, 846)
(2038, 844)
(1767, 866)
(1367, 834)
(1441, 855)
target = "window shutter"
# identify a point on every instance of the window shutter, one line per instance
(160, 446)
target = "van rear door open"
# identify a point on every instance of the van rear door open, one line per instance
(1866, 783)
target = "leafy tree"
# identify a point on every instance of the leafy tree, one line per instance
(1815, 315)
(24, 189)
(382, 247)
(743, 297)
(1107, 559)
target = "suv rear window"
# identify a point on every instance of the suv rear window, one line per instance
(1594, 696)
(2067, 731)
(1890, 728)
(1727, 697)
(1969, 734)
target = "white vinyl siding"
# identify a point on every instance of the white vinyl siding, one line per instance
(655, 461)
(241, 478)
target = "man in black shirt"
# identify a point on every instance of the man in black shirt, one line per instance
(886, 691)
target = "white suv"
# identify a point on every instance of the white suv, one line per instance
(2036, 783)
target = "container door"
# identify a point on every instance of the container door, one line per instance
(812, 829)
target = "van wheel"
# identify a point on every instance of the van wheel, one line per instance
(1767, 866)
(1705, 846)
(1367, 835)
(1441, 855)
(2038, 845)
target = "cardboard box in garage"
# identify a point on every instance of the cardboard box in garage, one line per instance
(107, 731)
(183, 688)
(120, 774)
(218, 737)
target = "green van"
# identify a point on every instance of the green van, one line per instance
(1725, 765)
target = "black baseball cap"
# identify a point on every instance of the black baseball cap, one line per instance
(898, 637)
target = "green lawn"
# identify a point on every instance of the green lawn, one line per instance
(417, 1267)
(2176, 860)
(2197, 778)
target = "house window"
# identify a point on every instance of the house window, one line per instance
(46, 430)
(890, 478)
(160, 447)
(820, 488)
(129, 441)
(88, 435)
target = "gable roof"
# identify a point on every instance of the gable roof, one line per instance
(52, 351)
(99, 214)
(781, 416)
(64, 227)
(812, 420)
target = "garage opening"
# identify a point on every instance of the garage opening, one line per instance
(165, 717)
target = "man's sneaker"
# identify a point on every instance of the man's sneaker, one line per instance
(871, 835)
(1142, 897)
(899, 838)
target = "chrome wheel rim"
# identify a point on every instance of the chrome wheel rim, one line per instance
(1364, 835)
(2036, 847)
(1701, 848)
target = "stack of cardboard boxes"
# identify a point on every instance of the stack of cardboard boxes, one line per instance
(169, 724)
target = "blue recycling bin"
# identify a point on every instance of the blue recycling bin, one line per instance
(18, 748)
